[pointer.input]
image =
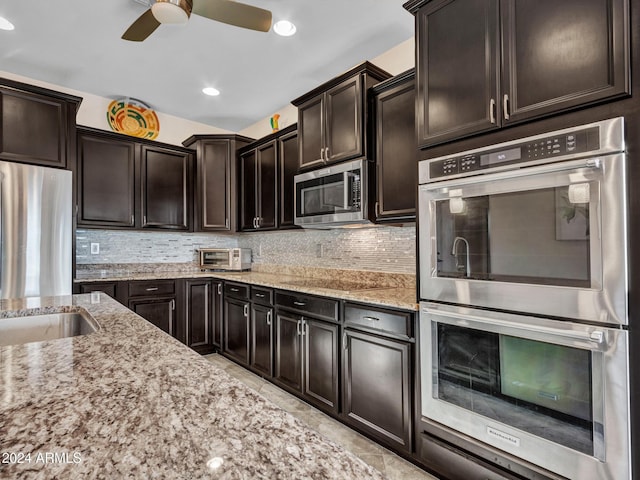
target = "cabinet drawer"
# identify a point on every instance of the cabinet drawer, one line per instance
(236, 290)
(146, 288)
(318, 307)
(262, 295)
(395, 322)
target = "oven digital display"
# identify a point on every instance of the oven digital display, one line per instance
(495, 158)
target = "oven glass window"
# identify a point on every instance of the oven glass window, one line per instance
(216, 258)
(327, 195)
(535, 236)
(540, 388)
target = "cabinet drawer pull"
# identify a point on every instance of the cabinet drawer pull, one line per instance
(371, 319)
(505, 106)
(151, 289)
(492, 112)
(246, 310)
(260, 295)
(300, 304)
(234, 289)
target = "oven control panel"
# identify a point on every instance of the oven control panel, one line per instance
(542, 148)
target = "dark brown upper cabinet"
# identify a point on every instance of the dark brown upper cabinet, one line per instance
(259, 187)
(486, 64)
(393, 103)
(332, 118)
(166, 176)
(125, 182)
(288, 167)
(215, 207)
(38, 125)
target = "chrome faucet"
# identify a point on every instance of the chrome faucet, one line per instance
(454, 252)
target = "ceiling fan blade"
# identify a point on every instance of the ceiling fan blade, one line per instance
(234, 13)
(144, 26)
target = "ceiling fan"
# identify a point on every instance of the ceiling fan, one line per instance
(179, 11)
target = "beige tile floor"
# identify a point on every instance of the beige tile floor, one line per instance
(395, 467)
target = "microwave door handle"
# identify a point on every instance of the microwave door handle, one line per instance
(346, 190)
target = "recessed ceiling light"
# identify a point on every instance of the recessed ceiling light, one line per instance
(211, 91)
(6, 24)
(284, 28)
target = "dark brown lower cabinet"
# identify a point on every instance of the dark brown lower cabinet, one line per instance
(160, 311)
(199, 315)
(376, 387)
(306, 359)
(262, 339)
(218, 313)
(236, 329)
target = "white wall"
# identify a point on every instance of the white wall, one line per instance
(93, 113)
(396, 60)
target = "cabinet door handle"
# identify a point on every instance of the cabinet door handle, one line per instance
(269, 318)
(505, 106)
(151, 289)
(172, 305)
(300, 304)
(377, 209)
(226, 223)
(304, 326)
(371, 319)
(133, 220)
(345, 344)
(326, 154)
(246, 310)
(144, 220)
(298, 327)
(219, 289)
(492, 111)
(258, 220)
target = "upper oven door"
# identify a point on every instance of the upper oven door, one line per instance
(547, 240)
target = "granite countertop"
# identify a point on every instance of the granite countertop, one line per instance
(129, 401)
(390, 296)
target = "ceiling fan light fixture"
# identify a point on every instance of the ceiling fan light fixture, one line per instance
(170, 12)
(212, 92)
(284, 28)
(6, 24)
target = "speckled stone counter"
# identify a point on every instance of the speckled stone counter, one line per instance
(129, 401)
(396, 291)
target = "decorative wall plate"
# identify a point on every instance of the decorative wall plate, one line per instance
(133, 117)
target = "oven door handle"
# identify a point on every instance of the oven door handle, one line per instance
(510, 172)
(589, 337)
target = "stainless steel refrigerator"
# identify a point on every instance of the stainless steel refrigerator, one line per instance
(35, 231)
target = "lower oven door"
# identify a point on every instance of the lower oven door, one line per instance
(550, 392)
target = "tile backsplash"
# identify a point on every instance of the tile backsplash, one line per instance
(384, 249)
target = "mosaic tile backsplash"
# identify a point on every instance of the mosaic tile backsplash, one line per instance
(383, 249)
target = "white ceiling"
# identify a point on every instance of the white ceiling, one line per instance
(76, 44)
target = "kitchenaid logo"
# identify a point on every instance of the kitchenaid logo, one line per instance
(505, 437)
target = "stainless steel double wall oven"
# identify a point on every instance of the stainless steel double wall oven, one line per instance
(523, 287)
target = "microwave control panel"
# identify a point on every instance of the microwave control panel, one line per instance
(580, 141)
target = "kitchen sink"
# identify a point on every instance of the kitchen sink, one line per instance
(42, 327)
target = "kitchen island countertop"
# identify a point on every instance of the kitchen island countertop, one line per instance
(129, 401)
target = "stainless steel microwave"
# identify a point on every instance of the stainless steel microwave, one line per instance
(232, 259)
(333, 196)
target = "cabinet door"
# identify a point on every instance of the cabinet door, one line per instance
(262, 339)
(377, 394)
(396, 153)
(321, 364)
(267, 186)
(198, 319)
(559, 55)
(248, 198)
(311, 133)
(344, 121)
(456, 69)
(34, 128)
(288, 165)
(213, 184)
(236, 329)
(166, 188)
(106, 182)
(217, 310)
(106, 287)
(158, 310)
(288, 351)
